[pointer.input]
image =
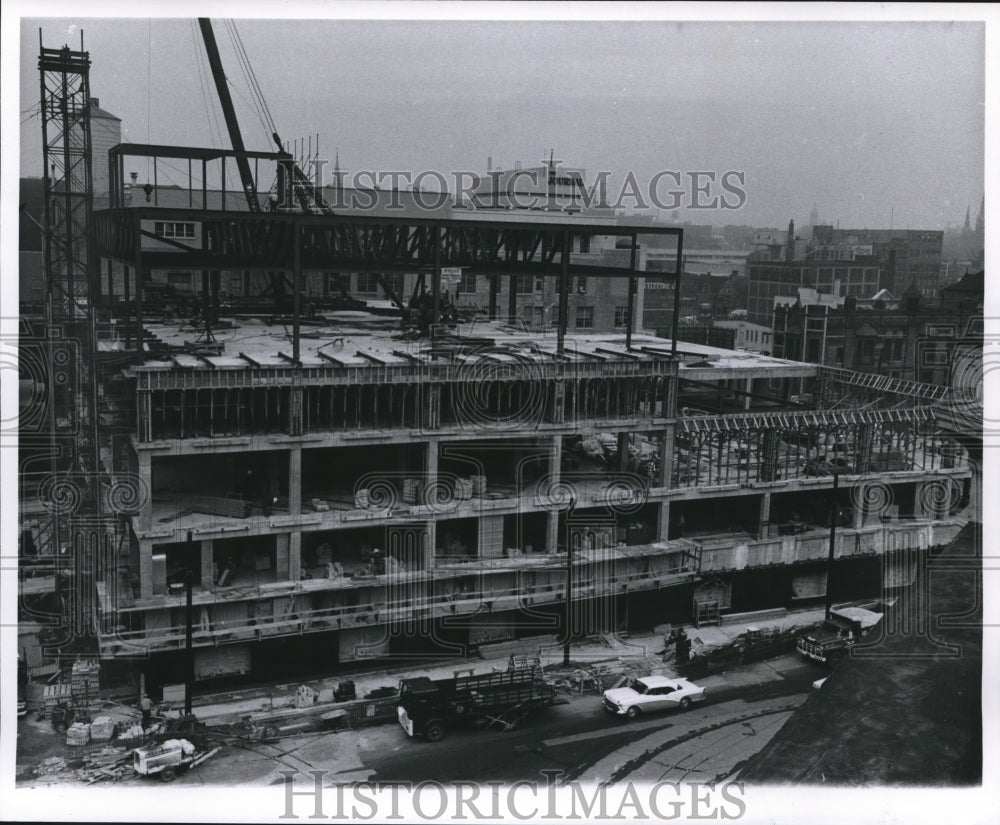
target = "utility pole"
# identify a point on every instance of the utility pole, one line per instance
(568, 614)
(834, 512)
(188, 622)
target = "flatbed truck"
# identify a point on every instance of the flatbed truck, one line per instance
(428, 708)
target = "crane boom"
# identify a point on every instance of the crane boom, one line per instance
(246, 176)
(300, 183)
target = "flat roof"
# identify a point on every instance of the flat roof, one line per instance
(358, 338)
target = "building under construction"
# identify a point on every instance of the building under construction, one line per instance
(289, 490)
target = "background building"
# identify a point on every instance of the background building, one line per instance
(914, 339)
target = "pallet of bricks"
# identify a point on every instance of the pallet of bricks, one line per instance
(78, 734)
(85, 679)
(55, 695)
(102, 729)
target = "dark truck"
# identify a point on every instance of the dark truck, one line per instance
(833, 640)
(429, 707)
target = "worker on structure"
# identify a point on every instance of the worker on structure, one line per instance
(683, 648)
(146, 707)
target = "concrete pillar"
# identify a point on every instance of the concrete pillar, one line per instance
(281, 544)
(145, 472)
(748, 387)
(931, 499)
(552, 531)
(976, 488)
(623, 442)
(432, 406)
(430, 545)
(559, 401)
(295, 411)
(273, 472)
(764, 522)
(430, 462)
(859, 512)
(145, 569)
(555, 457)
(295, 481)
(554, 473)
(207, 561)
(666, 456)
(663, 527)
(670, 397)
(490, 537)
(295, 555)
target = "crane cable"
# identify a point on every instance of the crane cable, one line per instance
(242, 60)
(263, 111)
(210, 115)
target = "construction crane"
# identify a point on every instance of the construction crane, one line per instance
(229, 113)
(290, 175)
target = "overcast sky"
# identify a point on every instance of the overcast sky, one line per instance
(866, 120)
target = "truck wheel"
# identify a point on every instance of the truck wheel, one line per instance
(633, 712)
(434, 732)
(168, 775)
(59, 725)
(835, 658)
(685, 703)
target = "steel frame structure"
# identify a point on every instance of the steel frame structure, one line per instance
(352, 242)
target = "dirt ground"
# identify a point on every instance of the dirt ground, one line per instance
(907, 710)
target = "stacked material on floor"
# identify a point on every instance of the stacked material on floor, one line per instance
(305, 697)
(54, 764)
(478, 485)
(102, 729)
(132, 732)
(78, 734)
(54, 695)
(463, 489)
(412, 490)
(85, 678)
(219, 506)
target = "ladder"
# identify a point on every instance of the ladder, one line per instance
(706, 613)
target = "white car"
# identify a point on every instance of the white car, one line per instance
(650, 694)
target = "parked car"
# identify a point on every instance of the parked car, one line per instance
(650, 694)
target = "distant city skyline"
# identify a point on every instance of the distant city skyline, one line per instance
(874, 123)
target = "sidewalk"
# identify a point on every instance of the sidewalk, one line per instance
(635, 653)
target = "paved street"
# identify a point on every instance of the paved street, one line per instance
(743, 711)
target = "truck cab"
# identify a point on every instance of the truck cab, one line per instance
(833, 640)
(421, 710)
